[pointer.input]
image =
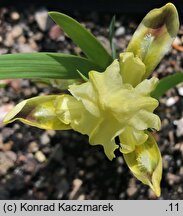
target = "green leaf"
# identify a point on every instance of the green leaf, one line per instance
(111, 35)
(44, 65)
(167, 83)
(92, 48)
(82, 76)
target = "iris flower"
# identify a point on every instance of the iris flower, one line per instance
(116, 102)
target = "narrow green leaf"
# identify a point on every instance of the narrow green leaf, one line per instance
(44, 65)
(82, 76)
(113, 47)
(92, 48)
(167, 83)
(111, 35)
(111, 28)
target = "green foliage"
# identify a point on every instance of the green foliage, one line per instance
(111, 35)
(44, 65)
(92, 48)
(167, 83)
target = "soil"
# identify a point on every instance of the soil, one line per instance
(39, 164)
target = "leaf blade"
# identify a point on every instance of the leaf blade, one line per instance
(44, 65)
(92, 48)
(111, 35)
(167, 83)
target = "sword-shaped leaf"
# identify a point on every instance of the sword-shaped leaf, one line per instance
(44, 65)
(89, 44)
(167, 83)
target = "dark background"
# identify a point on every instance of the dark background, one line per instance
(120, 6)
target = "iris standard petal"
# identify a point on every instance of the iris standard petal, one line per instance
(132, 69)
(154, 36)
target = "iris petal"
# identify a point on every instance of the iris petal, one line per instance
(39, 112)
(131, 137)
(132, 68)
(146, 164)
(154, 36)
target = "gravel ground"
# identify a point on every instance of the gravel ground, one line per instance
(39, 164)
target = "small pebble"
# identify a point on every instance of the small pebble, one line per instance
(171, 101)
(30, 165)
(120, 160)
(45, 139)
(43, 20)
(177, 41)
(180, 190)
(180, 90)
(173, 179)
(1, 39)
(179, 124)
(51, 133)
(55, 32)
(38, 36)
(181, 171)
(7, 161)
(166, 161)
(15, 16)
(16, 31)
(132, 188)
(3, 51)
(151, 194)
(21, 39)
(179, 146)
(81, 197)
(25, 48)
(9, 41)
(33, 147)
(120, 31)
(7, 146)
(33, 45)
(40, 156)
(76, 186)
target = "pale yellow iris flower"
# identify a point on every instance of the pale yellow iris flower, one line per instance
(116, 102)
